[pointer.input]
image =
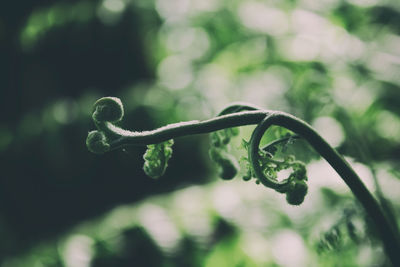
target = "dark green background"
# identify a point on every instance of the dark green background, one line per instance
(58, 57)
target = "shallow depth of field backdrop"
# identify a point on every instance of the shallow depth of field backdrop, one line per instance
(333, 63)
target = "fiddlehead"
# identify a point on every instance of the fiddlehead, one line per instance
(265, 168)
(108, 109)
(156, 158)
(108, 137)
(228, 166)
(97, 142)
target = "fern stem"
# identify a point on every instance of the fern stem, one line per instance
(242, 114)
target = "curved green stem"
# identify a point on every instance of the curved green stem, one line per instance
(254, 156)
(182, 129)
(241, 114)
(391, 240)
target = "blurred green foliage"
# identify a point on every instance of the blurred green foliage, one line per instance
(334, 63)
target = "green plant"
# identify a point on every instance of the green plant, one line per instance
(261, 164)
